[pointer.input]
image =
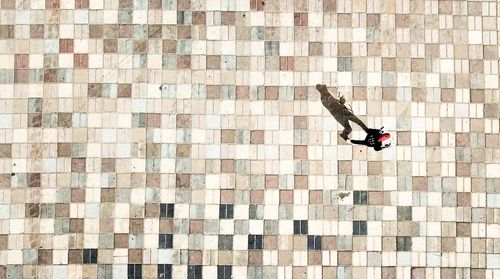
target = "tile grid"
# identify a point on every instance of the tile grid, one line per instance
(185, 139)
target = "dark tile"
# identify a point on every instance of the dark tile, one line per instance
(225, 242)
(194, 272)
(359, 228)
(224, 272)
(226, 211)
(134, 271)
(404, 213)
(360, 197)
(89, 256)
(165, 241)
(164, 271)
(403, 243)
(167, 210)
(313, 242)
(254, 242)
(300, 227)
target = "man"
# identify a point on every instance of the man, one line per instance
(339, 111)
(375, 138)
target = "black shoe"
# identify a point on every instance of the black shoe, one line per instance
(344, 136)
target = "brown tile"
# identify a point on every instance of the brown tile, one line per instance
(81, 60)
(78, 195)
(301, 181)
(8, 4)
(81, 4)
(108, 164)
(183, 61)
(154, 120)
(135, 256)
(433, 139)
(315, 48)
(62, 210)
(402, 20)
(34, 180)
(226, 196)
(107, 195)
(462, 139)
(32, 210)
(345, 167)
(94, 90)
(419, 183)
(389, 272)
(300, 151)
(257, 196)
(344, 258)
(45, 257)
(183, 150)
(95, 31)
(478, 273)
(75, 256)
(9, 32)
(195, 257)
(183, 121)
(372, 20)
(316, 197)
(463, 169)
(418, 273)
(271, 181)
(64, 120)
(359, 93)
(195, 226)
(152, 210)
(300, 93)
(463, 199)
(242, 92)
(153, 180)
(52, 4)
(227, 136)
(448, 244)
(110, 46)
(389, 93)
(375, 198)
(300, 122)
(257, 137)
(227, 166)
(374, 168)
(463, 229)
(314, 258)
(5, 150)
(136, 226)
(404, 138)
(182, 180)
(198, 17)
(76, 225)
(254, 258)
(447, 95)
(213, 92)
(271, 92)
(65, 45)
(213, 61)
(121, 240)
(169, 46)
(344, 49)
(286, 197)
(124, 90)
(344, 20)
(4, 241)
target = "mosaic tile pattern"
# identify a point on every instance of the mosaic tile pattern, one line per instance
(185, 139)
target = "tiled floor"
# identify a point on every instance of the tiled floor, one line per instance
(185, 139)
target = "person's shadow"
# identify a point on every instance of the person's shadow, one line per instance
(375, 138)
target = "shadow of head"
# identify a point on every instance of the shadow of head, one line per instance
(320, 87)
